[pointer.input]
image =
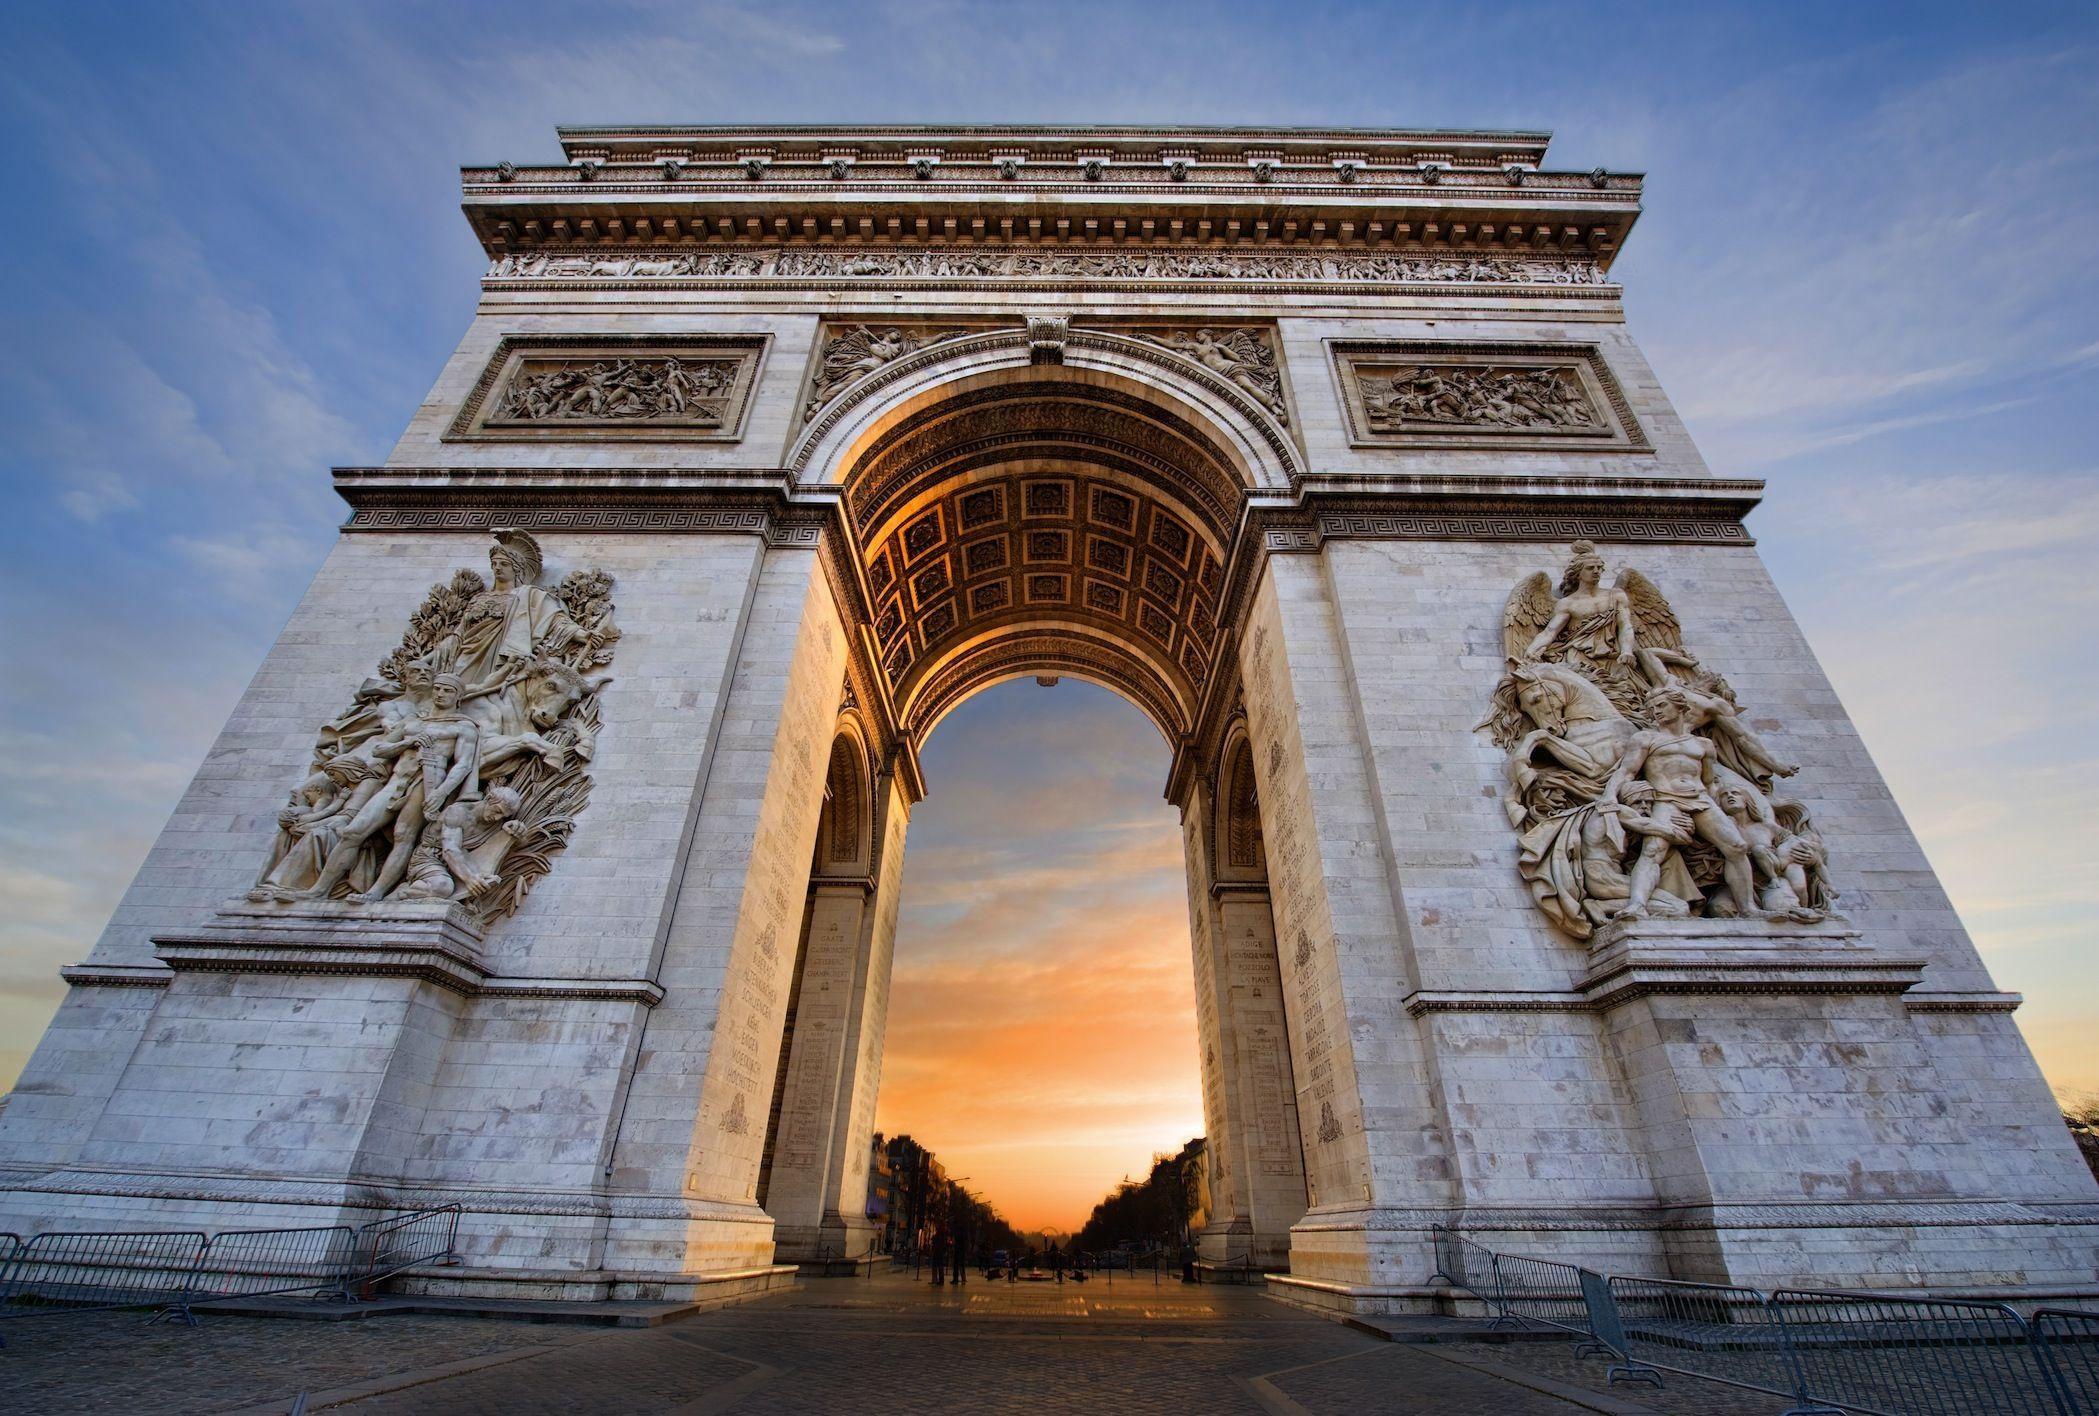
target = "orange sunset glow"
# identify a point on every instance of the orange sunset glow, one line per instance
(1042, 1016)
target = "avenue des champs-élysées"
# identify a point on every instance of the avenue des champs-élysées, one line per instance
(1539, 883)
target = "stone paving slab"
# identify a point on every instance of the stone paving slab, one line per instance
(829, 1345)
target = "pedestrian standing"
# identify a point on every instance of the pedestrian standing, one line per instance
(939, 1257)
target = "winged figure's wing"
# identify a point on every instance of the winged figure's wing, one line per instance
(1243, 346)
(1529, 610)
(845, 350)
(1658, 628)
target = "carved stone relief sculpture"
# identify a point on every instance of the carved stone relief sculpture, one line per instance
(979, 263)
(846, 356)
(1241, 357)
(683, 389)
(1635, 785)
(617, 390)
(1475, 398)
(1425, 393)
(457, 771)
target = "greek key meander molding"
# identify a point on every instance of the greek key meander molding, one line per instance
(556, 512)
(624, 394)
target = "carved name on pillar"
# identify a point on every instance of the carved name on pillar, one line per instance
(458, 770)
(1633, 779)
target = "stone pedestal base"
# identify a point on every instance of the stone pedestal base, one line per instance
(840, 1240)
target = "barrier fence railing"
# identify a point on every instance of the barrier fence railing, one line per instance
(2070, 1341)
(177, 1270)
(1712, 1330)
(1898, 1356)
(390, 1246)
(1824, 1352)
(267, 1263)
(80, 1270)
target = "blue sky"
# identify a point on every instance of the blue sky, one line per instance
(235, 258)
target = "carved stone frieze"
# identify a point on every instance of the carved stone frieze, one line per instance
(685, 389)
(975, 263)
(1633, 779)
(457, 771)
(1435, 393)
(846, 354)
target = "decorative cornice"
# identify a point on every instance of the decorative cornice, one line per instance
(1202, 190)
(434, 942)
(1640, 959)
(1424, 1001)
(1986, 1001)
(93, 975)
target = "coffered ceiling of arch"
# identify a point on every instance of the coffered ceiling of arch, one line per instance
(1009, 508)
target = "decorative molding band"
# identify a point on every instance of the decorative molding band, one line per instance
(116, 975)
(1330, 526)
(1426, 1001)
(1978, 1002)
(1704, 957)
(1048, 268)
(434, 942)
(366, 1192)
(1706, 1216)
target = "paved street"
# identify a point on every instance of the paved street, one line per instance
(833, 1345)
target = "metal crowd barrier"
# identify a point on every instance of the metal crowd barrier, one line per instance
(390, 1246)
(265, 1263)
(1913, 1356)
(1712, 1330)
(1826, 1353)
(79, 1271)
(175, 1271)
(2069, 1343)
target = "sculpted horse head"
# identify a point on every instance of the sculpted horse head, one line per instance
(1556, 697)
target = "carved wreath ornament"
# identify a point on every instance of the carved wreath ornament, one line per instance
(1635, 786)
(457, 772)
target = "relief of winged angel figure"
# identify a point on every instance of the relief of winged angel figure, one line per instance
(1635, 785)
(851, 355)
(1239, 356)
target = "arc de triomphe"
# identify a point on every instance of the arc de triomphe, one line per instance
(1538, 881)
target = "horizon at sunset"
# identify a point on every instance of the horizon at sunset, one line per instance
(1042, 1012)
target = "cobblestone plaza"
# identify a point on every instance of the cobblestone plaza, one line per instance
(888, 1343)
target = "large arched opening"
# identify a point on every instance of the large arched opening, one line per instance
(1010, 517)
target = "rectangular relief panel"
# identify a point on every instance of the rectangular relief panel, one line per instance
(635, 388)
(1441, 393)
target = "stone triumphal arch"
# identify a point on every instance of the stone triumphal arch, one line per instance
(1538, 883)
